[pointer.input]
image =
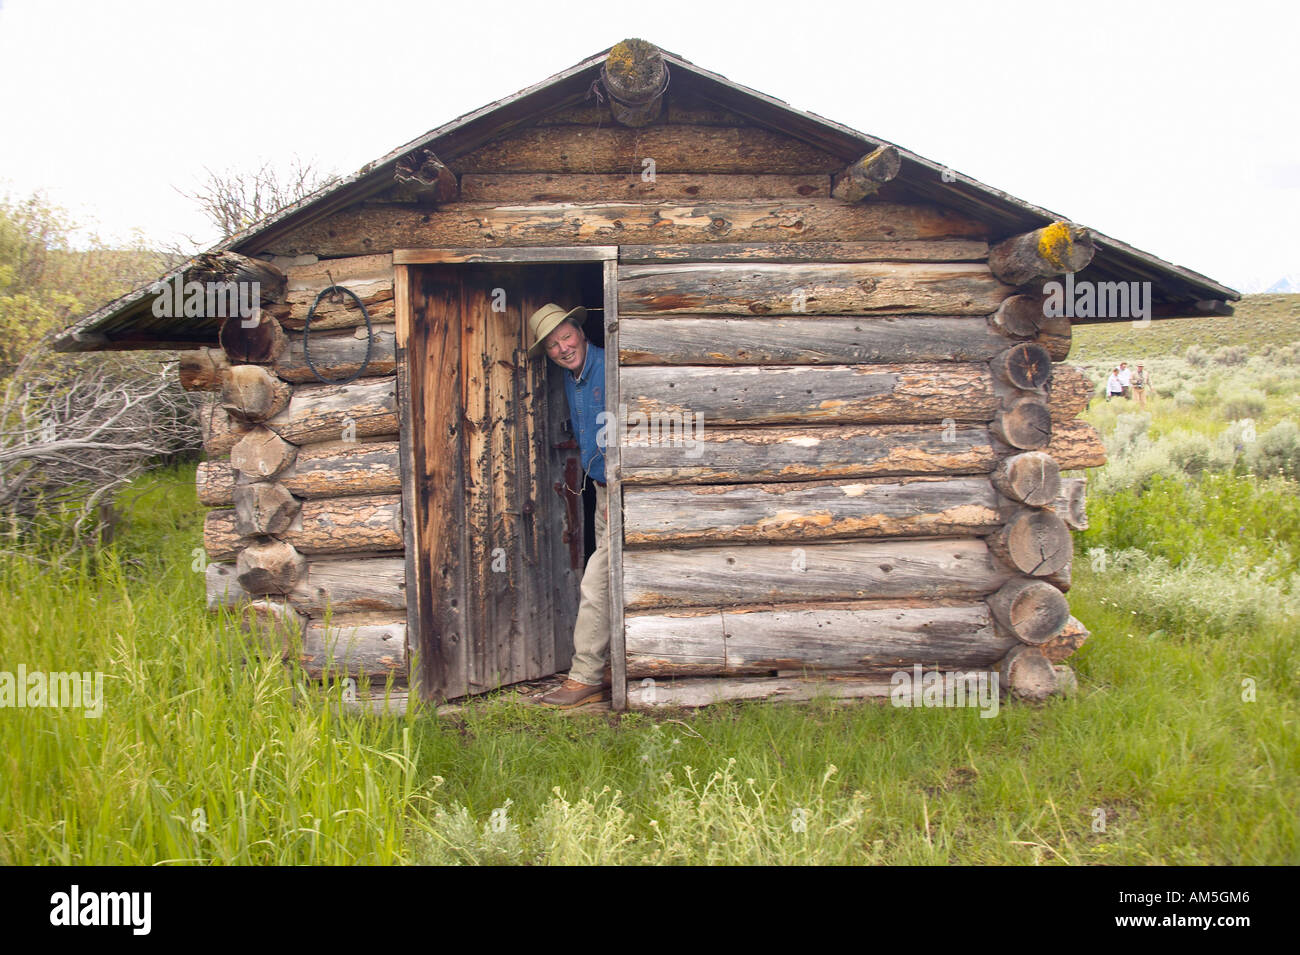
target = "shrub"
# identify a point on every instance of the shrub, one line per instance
(1130, 427)
(1230, 355)
(1198, 595)
(1184, 398)
(1195, 356)
(1277, 451)
(1247, 403)
(1188, 451)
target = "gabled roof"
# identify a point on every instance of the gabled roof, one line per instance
(128, 322)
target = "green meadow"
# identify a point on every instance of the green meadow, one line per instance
(1181, 745)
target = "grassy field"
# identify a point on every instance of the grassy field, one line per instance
(1181, 746)
(1257, 320)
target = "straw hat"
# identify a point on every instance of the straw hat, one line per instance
(546, 319)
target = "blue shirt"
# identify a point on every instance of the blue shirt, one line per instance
(586, 396)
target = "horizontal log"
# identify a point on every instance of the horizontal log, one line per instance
(919, 250)
(363, 646)
(872, 636)
(865, 176)
(674, 149)
(714, 456)
(221, 583)
(1022, 316)
(330, 469)
(220, 430)
(806, 341)
(215, 483)
(775, 394)
(1076, 444)
(339, 412)
(1025, 366)
(1061, 579)
(332, 316)
(351, 586)
(1071, 503)
(635, 76)
(251, 393)
(275, 625)
(263, 508)
(201, 369)
(336, 356)
(692, 692)
(1032, 611)
(474, 225)
(1065, 643)
(259, 342)
(348, 524)
(764, 574)
(269, 567)
(1026, 423)
(1069, 393)
(370, 524)
(421, 176)
(233, 267)
(220, 539)
(1034, 542)
(1052, 250)
(598, 187)
(1026, 673)
(338, 469)
(1031, 478)
(369, 276)
(940, 288)
(801, 512)
(261, 455)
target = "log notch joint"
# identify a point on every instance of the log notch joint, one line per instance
(864, 177)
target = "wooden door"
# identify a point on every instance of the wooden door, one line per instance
(490, 443)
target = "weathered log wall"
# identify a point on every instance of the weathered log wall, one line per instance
(834, 398)
(303, 476)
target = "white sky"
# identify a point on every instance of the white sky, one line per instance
(1171, 126)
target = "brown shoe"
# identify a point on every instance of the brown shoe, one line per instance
(572, 693)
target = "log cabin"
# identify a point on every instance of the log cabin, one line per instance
(846, 428)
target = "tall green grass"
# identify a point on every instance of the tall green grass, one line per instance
(200, 758)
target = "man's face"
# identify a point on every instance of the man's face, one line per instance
(566, 345)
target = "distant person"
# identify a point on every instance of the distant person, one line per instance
(1141, 382)
(1113, 387)
(1125, 380)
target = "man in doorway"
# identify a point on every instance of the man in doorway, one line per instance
(559, 334)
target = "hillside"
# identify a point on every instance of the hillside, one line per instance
(1259, 320)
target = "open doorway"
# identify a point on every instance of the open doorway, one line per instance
(503, 521)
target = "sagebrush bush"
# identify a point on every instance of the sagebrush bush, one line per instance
(1188, 451)
(1198, 596)
(1195, 356)
(1230, 355)
(1246, 403)
(1277, 451)
(1184, 399)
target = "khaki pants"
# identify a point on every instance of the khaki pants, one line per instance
(591, 630)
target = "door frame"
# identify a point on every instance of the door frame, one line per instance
(416, 581)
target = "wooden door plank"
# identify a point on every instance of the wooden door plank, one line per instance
(614, 489)
(437, 394)
(415, 573)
